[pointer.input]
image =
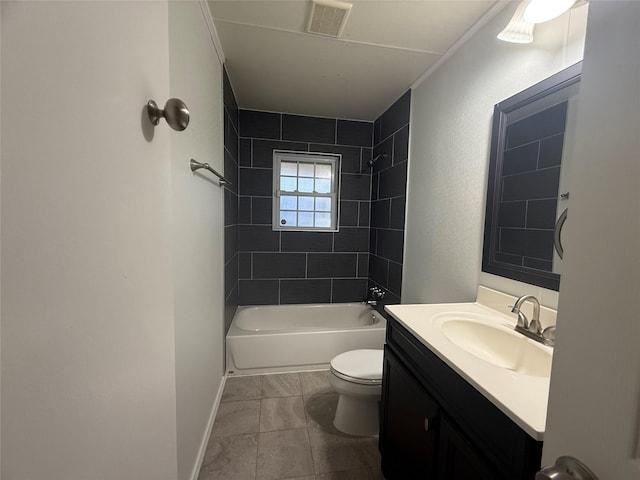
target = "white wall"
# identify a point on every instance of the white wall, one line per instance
(451, 113)
(594, 401)
(0, 246)
(88, 341)
(197, 231)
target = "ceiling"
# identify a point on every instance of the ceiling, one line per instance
(274, 65)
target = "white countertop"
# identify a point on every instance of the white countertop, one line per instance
(522, 398)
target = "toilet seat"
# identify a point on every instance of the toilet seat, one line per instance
(363, 367)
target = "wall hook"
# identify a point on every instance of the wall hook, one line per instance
(175, 112)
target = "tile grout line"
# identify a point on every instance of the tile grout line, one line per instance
(259, 420)
(307, 426)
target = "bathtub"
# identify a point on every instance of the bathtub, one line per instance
(280, 338)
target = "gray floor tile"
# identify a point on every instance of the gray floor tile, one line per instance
(235, 418)
(242, 388)
(346, 475)
(321, 410)
(284, 454)
(314, 383)
(281, 413)
(281, 385)
(230, 458)
(376, 473)
(297, 434)
(338, 452)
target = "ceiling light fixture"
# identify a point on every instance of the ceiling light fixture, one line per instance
(530, 12)
(518, 30)
(540, 11)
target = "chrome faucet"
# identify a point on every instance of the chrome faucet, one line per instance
(376, 293)
(533, 329)
(534, 325)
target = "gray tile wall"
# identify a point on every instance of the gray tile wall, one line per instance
(231, 171)
(530, 179)
(302, 267)
(388, 198)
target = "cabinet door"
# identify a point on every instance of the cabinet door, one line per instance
(458, 459)
(409, 428)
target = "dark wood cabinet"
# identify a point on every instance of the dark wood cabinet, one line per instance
(410, 424)
(457, 457)
(435, 425)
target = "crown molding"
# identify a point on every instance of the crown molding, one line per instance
(215, 39)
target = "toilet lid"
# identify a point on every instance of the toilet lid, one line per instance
(359, 364)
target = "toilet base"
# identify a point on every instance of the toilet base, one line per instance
(358, 415)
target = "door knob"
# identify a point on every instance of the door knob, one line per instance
(566, 468)
(175, 112)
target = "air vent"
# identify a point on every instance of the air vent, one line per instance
(328, 17)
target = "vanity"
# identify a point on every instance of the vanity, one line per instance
(464, 395)
(465, 385)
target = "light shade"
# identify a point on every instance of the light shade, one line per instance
(539, 11)
(518, 29)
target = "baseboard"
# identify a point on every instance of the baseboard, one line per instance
(207, 432)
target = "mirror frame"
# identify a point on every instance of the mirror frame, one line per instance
(553, 84)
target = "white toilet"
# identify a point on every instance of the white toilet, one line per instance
(357, 377)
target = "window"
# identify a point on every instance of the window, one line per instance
(305, 191)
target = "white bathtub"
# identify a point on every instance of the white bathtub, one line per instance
(280, 338)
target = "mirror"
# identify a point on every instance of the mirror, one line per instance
(527, 197)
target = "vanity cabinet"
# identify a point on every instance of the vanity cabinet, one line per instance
(411, 419)
(458, 459)
(435, 425)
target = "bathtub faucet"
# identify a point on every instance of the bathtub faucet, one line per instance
(375, 294)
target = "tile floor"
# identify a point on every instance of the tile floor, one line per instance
(275, 427)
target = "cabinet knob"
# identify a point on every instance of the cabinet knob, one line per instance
(426, 424)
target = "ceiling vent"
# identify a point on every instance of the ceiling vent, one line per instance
(328, 17)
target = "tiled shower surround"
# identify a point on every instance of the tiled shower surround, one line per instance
(302, 267)
(277, 267)
(388, 198)
(231, 121)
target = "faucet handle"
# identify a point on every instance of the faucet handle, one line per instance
(377, 293)
(549, 335)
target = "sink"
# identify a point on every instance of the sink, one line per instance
(498, 345)
(477, 341)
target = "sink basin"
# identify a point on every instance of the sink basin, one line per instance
(499, 345)
(478, 342)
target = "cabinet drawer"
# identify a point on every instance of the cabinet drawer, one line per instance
(509, 448)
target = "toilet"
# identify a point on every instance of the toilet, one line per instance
(357, 377)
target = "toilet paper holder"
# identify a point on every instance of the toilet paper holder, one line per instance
(566, 468)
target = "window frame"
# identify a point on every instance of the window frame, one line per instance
(333, 159)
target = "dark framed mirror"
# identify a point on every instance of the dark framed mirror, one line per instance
(527, 198)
